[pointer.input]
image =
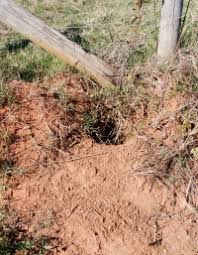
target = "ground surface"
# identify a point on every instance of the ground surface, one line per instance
(57, 183)
(94, 198)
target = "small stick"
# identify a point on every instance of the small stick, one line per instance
(188, 189)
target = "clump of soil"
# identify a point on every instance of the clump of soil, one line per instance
(94, 198)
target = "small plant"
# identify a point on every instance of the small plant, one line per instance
(6, 167)
(11, 244)
(181, 87)
(13, 240)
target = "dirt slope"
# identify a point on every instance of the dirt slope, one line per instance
(93, 198)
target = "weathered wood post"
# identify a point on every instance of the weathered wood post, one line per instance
(51, 40)
(170, 25)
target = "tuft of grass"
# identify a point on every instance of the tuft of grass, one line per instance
(187, 158)
(6, 167)
(188, 118)
(109, 114)
(7, 96)
(184, 71)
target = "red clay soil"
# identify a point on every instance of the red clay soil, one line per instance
(95, 199)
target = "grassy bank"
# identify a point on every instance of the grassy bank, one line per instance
(114, 30)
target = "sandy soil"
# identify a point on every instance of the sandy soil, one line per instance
(93, 198)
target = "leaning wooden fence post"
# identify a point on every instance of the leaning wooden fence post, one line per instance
(51, 40)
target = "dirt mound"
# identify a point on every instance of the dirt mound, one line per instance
(95, 204)
(95, 199)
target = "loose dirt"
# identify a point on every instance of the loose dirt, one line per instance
(93, 198)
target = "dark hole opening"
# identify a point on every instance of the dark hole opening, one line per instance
(103, 130)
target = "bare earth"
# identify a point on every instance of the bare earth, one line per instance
(92, 198)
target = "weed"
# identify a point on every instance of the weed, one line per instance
(14, 241)
(187, 158)
(181, 87)
(6, 167)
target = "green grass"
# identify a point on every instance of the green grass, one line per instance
(111, 29)
(10, 243)
(14, 240)
(25, 62)
(189, 36)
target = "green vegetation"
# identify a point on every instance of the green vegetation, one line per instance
(6, 95)
(13, 241)
(189, 30)
(113, 30)
(105, 24)
(111, 112)
(21, 60)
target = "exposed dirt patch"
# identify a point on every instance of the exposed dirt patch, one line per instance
(38, 125)
(94, 198)
(95, 204)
